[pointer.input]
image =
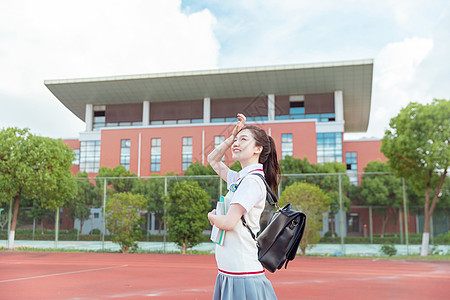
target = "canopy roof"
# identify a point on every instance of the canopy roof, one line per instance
(354, 78)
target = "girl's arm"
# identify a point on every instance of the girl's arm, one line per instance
(215, 157)
(228, 221)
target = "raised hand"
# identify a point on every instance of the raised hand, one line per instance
(240, 124)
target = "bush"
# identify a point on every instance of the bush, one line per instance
(443, 239)
(388, 249)
(123, 215)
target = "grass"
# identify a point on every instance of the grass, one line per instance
(432, 257)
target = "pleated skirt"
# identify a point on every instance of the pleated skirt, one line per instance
(256, 287)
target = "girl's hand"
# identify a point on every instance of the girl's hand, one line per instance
(211, 213)
(240, 124)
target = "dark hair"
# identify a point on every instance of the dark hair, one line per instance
(268, 157)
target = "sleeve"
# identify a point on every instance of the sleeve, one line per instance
(250, 191)
(232, 176)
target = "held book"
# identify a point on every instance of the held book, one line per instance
(218, 235)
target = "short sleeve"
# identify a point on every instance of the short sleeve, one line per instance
(250, 191)
(232, 177)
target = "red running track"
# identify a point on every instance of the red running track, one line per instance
(170, 276)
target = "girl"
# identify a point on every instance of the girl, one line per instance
(241, 275)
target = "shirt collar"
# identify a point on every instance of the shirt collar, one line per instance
(249, 169)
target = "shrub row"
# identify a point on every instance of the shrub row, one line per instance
(413, 238)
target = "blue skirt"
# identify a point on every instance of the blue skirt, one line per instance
(256, 287)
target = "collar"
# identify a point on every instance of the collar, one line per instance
(251, 168)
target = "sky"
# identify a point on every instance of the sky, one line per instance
(409, 42)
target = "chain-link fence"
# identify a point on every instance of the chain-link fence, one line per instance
(363, 211)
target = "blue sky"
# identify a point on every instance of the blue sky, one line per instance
(51, 39)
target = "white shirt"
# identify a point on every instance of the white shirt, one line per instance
(238, 256)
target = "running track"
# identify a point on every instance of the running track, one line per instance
(170, 276)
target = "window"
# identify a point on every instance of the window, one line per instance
(329, 147)
(90, 156)
(353, 222)
(352, 167)
(219, 139)
(297, 111)
(125, 153)
(187, 153)
(96, 215)
(155, 160)
(76, 160)
(99, 120)
(286, 145)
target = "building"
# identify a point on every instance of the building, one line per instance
(157, 123)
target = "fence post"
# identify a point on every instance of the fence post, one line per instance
(405, 211)
(371, 224)
(56, 227)
(341, 207)
(165, 227)
(401, 224)
(104, 214)
(34, 227)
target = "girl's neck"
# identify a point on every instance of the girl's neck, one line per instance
(251, 161)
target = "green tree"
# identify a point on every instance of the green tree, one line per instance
(34, 167)
(311, 200)
(123, 216)
(417, 146)
(382, 190)
(80, 206)
(153, 190)
(188, 206)
(327, 183)
(209, 183)
(118, 177)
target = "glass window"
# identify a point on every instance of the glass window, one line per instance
(187, 153)
(155, 159)
(219, 139)
(90, 156)
(329, 147)
(76, 160)
(99, 120)
(352, 167)
(286, 145)
(125, 153)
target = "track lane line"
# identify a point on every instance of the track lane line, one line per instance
(65, 273)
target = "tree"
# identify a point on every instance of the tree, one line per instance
(327, 183)
(209, 184)
(311, 200)
(188, 206)
(153, 190)
(119, 178)
(417, 148)
(34, 167)
(80, 206)
(123, 216)
(381, 190)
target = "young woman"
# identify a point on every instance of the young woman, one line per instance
(241, 275)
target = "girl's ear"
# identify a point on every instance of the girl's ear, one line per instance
(258, 149)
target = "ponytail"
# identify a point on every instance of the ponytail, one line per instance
(268, 157)
(272, 167)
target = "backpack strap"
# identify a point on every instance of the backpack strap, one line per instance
(270, 198)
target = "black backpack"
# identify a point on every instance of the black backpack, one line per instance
(278, 242)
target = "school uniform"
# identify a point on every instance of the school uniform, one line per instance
(241, 275)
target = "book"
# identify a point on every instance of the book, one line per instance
(218, 235)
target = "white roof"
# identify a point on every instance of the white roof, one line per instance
(354, 78)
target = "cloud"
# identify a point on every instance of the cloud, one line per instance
(52, 39)
(397, 81)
